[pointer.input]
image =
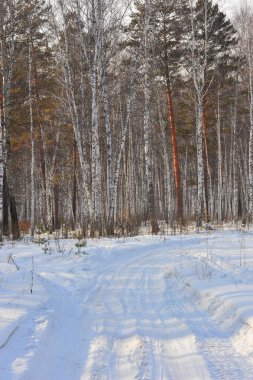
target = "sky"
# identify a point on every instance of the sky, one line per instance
(231, 5)
(232, 2)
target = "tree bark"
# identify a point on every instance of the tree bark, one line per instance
(32, 217)
(1, 172)
(179, 211)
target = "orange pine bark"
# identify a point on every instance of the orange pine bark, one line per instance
(173, 132)
(174, 151)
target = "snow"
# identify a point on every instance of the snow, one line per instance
(143, 308)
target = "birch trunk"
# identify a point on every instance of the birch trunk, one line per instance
(147, 122)
(198, 74)
(250, 69)
(1, 135)
(9, 202)
(219, 186)
(49, 174)
(122, 145)
(32, 216)
(75, 118)
(235, 205)
(96, 170)
(1, 173)
(108, 142)
(205, 159)
(200, 164)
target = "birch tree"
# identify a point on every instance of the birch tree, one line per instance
(219, 186)
(1, 124)
(117, 165)
(32, 220)
(1, 169)
(8, 51)
(212, 37)
(198, 74)
(147, 118)
(102, 115)
(65, 59)
(249, 53)
(244, 22)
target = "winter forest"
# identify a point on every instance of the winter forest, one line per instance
(119, 113)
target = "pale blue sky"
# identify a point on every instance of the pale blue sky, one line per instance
(230, 5)
(234, 4)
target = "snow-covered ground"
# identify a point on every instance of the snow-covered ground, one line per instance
(133, 309)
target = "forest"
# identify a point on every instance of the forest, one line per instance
(119, 113)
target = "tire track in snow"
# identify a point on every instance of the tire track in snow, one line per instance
(129, 300)
(127, 351)
(222, 360)
(132, 323)
(157, 332)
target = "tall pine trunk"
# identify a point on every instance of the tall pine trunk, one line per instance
(176, 166)
(179, 210)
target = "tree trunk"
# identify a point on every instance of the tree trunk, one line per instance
(219, 187)
(1, 174)
(75, 121)
(179, 212)
(6, 227)
(74, 194)
(235, 204)
(151, 215)
(56, 207)
(14, 219)
(205, 159)
(10, 201)
(122, 145)
(200, 164)
(32, 217)
(167, 183)
(250, 68)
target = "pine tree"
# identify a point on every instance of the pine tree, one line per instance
(170, 27)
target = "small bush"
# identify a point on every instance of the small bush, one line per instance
(24, 226)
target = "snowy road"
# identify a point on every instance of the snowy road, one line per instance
(123, 313)
(144, 329)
